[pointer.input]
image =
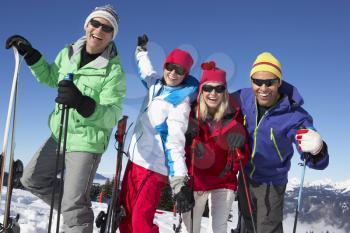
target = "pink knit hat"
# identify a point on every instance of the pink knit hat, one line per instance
(181, 58)
(211, 73)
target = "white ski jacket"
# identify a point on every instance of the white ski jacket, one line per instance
(158, 140)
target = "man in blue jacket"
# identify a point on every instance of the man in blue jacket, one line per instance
(275, 120)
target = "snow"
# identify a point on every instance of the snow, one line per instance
(34, 215)
(343, 186)
(292, 184)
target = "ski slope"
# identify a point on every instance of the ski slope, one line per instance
(34, 215)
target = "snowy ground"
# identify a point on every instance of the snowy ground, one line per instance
(34, 215)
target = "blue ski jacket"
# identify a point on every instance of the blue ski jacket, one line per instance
(271, 140)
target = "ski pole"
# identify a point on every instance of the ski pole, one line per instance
(177, 228)
(63, 126)
(193, 150)
(240, 155)
(297, 209)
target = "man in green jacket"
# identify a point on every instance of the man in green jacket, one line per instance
(95, 100)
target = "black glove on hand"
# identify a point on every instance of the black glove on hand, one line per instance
(235, 140)
(69, 94)
(142, 42)
(184, 199)
(22, 44)
(24, 48)
(200, 150)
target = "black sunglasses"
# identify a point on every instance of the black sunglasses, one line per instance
(218, 89)
(97, 24)
(178, 69)
(267, 82)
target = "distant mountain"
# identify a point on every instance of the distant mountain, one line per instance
(100, 177)
(321, 200)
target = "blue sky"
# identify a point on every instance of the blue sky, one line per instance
(310, 38)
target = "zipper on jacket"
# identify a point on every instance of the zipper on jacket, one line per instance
(256, 132)
(272, 138)
(255, 136)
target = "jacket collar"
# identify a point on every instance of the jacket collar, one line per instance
(290, 98)
(175, 95)
(100, 62)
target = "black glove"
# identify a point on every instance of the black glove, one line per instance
(235, 140)
(142, 41)
(22, 44)
(200, 150)
(69, 94)
(184, 199)
(24, 48)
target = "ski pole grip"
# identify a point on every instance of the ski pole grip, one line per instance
(121, 129)
(69, 77)
(307, 156)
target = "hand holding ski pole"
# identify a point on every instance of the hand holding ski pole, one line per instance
(23, 46)
(198, 148)
(184, 199)
(70, 95)
(183, 193)
(309, 141)
(235, 140)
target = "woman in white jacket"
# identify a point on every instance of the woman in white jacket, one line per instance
(156, 149)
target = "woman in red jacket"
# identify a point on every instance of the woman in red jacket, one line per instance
(215, 130)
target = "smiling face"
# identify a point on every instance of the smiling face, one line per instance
(266, 96)
(96, 38)
(213, 98)
(172, 78)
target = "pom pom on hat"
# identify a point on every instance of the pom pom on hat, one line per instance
(181, 58)
(208, 65)
(267, 62)
(211, 73)
(107, 12)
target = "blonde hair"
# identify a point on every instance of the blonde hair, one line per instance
(203, 108)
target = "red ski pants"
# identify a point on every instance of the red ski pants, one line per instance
(140, 196)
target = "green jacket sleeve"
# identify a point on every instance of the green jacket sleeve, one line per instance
(47, 73)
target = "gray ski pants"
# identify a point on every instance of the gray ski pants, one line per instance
(38, 177)
(267, 204)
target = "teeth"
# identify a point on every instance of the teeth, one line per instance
(263, 94)
(96, 37)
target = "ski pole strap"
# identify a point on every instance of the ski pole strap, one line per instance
(119, 135)
(177, 228)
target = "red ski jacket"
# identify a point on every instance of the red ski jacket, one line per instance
(214, 165)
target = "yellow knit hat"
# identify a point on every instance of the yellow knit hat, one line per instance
(267, 62)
